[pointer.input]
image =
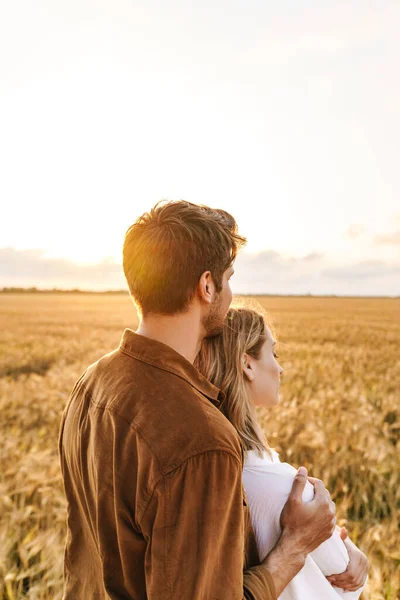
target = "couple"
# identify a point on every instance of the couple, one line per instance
(172, 490)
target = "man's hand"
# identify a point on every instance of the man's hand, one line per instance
(356, 573)
(309, 523)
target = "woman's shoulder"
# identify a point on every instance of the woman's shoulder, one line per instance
(254, 458)
(268, 480)
(268, 463)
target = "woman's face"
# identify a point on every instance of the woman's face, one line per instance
(262, 376)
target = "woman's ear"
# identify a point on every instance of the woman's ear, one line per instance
(247, 366)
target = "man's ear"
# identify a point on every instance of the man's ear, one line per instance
(206, 287)
(247, 366)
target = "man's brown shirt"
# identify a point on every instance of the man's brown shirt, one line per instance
(152, 473)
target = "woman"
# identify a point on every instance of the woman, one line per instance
(242, 363)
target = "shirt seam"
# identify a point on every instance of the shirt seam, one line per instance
(137, 429)
(224, 450)
(163, 472)
(130, 425)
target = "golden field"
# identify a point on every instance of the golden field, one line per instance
(339, 415)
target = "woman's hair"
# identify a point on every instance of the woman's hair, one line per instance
(220, 361)
(168, 248)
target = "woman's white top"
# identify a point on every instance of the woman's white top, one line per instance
(267, 483)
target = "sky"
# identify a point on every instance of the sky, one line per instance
(283, 113)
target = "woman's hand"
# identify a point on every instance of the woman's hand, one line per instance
(356, 573)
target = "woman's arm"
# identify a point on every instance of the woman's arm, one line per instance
(267, 487)
(331, 556)
(355, 577)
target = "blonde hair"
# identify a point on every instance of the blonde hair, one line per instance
(220, 361)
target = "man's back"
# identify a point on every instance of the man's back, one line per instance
(152, 473)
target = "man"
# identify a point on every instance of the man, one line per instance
(152, 469)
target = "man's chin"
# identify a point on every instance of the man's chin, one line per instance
(214, 331)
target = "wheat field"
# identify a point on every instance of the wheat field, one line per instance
(339, 415)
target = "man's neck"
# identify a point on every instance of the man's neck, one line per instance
(182, 332)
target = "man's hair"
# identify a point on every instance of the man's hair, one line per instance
(168, 248)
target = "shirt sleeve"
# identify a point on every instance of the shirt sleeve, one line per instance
(331, 556)
(195, 531)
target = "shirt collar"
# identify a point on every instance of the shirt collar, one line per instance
(164, 357)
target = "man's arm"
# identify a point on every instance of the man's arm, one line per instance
(194, 525)
(195, 531)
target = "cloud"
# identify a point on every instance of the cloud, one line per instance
(313, 256)
(354, 231)
(272, 273)
(368, 269)
(392, 239)
(267, 272)
(32, 267)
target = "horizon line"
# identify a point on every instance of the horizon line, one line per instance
(35, 290)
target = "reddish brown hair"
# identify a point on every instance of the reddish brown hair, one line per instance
(168, 248)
